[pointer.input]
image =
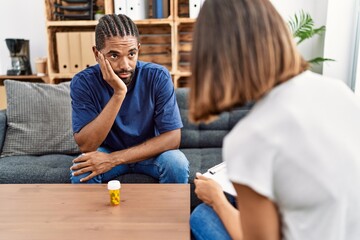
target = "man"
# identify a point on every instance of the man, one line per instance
(125, 114)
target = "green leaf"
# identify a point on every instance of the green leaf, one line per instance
(320, 30)
(302, 26)
(319, 60)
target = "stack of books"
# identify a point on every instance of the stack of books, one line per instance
(140, 9)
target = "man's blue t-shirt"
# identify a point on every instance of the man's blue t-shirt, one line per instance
(149, 108)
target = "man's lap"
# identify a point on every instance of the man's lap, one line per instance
(170, 166)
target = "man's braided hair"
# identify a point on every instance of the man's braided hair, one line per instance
(112, 25)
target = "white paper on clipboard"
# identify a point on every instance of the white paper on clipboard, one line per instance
(218, 173)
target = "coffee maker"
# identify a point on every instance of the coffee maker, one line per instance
(19, 53)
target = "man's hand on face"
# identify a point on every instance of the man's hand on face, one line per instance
(110, 77)
(94, 162)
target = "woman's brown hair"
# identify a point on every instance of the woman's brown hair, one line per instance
(241, 50)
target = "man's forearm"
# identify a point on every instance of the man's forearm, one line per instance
(150, 148)
(94, 133)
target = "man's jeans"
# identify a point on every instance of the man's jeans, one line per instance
(169, 167)
(205, 224)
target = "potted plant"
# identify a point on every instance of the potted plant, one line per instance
(302, 28)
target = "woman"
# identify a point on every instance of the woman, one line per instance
(294, 160)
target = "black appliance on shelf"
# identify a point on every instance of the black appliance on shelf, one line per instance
(74, 9)
(20, 55)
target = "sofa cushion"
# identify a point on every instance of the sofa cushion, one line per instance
(52, 168)
(200, 160)
(2, 127)
(136, 178)
(203, 135)
(38, 119)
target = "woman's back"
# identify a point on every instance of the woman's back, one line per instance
(299, 147)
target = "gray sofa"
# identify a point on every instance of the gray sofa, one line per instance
(200, 143)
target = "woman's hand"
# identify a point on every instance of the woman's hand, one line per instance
(209, 191)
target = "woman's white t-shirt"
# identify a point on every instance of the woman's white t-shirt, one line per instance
(300, 147)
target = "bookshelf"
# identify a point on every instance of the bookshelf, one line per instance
(166, 41)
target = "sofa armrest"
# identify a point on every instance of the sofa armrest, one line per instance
(2, 128)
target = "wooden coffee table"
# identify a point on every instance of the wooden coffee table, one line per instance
(66, 211)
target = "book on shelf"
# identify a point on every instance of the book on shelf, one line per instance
(161, 8)
(194, 7)
(120, 7)
(134, 9)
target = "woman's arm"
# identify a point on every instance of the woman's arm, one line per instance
(259, 216)
(211, 193)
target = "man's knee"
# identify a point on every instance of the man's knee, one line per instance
(175, 159)
(77, 179)
(176, 165)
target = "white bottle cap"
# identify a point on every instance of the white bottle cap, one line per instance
(114, 185)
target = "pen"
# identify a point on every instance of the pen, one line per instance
(217, 168)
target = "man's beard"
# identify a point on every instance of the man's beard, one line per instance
(127, 80)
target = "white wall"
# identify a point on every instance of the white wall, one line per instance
(317, 9)
(22, 19)
(338, 42)
(356, 71)
(340, 39)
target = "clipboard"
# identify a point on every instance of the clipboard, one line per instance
(218, 173)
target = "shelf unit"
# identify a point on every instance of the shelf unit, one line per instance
(27, 78)
(164, 41)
